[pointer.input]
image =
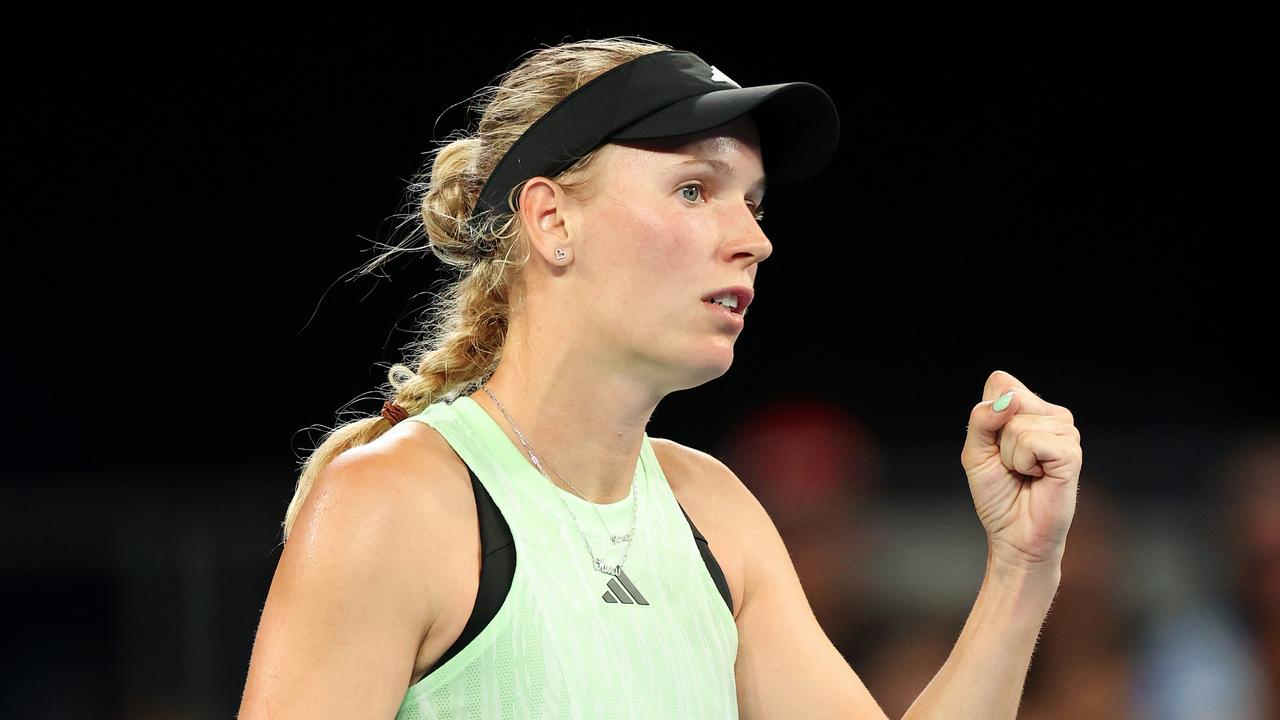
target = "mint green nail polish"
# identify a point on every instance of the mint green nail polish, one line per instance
(1003, 401)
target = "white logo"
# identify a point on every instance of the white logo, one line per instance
(717, 76)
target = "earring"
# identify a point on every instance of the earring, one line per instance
(561, 253)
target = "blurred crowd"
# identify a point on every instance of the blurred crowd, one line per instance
(891, 578)
(1103, 653)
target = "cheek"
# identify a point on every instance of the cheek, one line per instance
(658, 250)
(657, 231)
(650, 265)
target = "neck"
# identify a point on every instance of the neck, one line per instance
(588, 430)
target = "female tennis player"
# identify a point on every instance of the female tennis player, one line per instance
(523, 548)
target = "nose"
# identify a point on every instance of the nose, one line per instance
(749, 240)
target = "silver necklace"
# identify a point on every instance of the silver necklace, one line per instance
(538, 463)
(600, 565)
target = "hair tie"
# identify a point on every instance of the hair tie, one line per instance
(393, 412)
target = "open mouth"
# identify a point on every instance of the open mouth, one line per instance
(723, 308)
(733, 299)
(727, 315)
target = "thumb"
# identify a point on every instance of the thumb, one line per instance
(985, 421)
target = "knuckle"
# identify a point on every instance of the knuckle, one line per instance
(1064, 413)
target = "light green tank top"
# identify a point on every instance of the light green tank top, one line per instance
(569, 641)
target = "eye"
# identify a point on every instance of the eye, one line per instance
(759, 214)
(691, 185)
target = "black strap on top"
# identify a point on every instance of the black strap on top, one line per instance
(498, 567)
(713, 567)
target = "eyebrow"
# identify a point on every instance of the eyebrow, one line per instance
(724, 168)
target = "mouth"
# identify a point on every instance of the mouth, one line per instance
(727, 315)
(723, 308)
(741, 298)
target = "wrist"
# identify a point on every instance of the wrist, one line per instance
(1024, 578)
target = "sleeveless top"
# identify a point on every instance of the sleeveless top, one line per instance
(552, 637)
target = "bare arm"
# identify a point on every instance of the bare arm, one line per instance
(1022, 458)
(984, 675)
(787, 667)
(346, 614)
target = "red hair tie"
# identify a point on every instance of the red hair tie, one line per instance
(393, 412)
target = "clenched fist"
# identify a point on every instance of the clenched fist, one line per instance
(1023, 457)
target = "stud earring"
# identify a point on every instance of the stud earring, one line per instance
(561, 253)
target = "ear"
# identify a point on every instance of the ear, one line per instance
(542, 209)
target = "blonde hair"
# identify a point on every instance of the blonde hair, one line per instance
(460, 340)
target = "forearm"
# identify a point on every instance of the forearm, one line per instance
(984, 675)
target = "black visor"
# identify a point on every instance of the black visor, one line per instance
(665, 94)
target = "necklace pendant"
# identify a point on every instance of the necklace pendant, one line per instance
(606, 568)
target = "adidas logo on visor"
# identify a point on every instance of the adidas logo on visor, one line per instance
(717, 76)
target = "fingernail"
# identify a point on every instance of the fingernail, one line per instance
(1003, 401)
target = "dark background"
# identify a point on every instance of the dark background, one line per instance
(1085, 199)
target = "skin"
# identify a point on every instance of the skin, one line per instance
(380, 572)
(596, 340)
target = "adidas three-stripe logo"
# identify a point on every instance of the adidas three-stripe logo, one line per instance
(624, 592)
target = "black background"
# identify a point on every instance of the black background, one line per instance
(1084, 198)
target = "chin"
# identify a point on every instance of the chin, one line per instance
(697, 364)
(715, 364)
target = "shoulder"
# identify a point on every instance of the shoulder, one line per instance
(690, 465)
(704, 477)
(413, 462)
(396, 502)
(401, 478)
(722, 507)
(358, 585)
(699, 480)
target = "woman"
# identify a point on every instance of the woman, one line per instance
(524, 548)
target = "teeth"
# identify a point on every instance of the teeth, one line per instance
(728, 300)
